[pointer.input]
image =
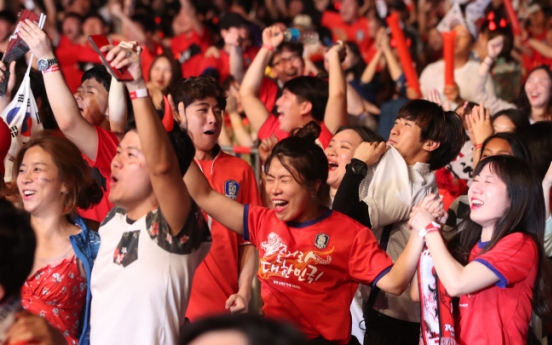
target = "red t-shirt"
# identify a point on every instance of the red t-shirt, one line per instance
(217, 276)
(272, 126)
(309, 272)
(268, 92)
(504, 308)
(222, 63)
(357, 32)
(188, 49)
(107, 148)
(69, 55)
(147, 56)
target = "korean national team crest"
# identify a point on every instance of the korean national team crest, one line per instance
(321, 241)
(359, 35)
(231, 189)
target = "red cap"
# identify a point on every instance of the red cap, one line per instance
(5, 143)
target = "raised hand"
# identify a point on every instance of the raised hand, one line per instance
(126, 54)
(273, 36)
(480, 121)
(265, 149)
(37, 40)
(494, 46)
(337, 50)
(370, 153)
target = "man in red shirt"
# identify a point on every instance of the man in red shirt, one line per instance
(347, 25)
(190, 41)
(237, 53)
(303, 99)
(222, 282)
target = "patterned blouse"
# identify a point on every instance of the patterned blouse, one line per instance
(58, 294)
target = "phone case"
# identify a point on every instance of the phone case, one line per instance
(98, 41)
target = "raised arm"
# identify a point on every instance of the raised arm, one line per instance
(393, 65)
(255, 110)
(63, 103)
(117, 107)
(371, 68)
(222, 209)
(166, 179)
(495, 104)
(336, 115)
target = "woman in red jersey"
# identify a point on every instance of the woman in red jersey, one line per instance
(496, 264)
(311, 258)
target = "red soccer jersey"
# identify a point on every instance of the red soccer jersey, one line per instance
(272, 126)
(357, 32)
(107, 148)
(69, 55)
(504, 308)
(222, 63)
(268, 92)
(310, 271)
(217, 276)
(188, 49)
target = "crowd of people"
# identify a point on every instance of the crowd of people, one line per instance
(394, 184)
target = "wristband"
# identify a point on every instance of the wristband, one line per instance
(140, 93)
(431, 227)
(54, 68)
(268, 47)
(478, 147)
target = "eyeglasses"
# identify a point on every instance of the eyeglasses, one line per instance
(292, 58)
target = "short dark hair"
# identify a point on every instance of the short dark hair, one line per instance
(181, 143)
(96, 16)
(17, 248)
(255, 328)
(292, 47)
(437, 125)
(146, 20)
(8, 16)
(231, 20)
(100, 74)
(74, 15)
(193, 89)
(300, 152)
(310, 89)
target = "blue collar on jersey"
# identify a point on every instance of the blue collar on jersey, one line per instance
(324, 215)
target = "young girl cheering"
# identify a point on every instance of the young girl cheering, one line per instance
(496, 266)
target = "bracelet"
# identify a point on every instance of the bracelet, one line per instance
(477, 147)
(268, 47)
(53, 68)
(140, 93)
(431, 227)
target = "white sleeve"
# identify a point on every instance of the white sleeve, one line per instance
(389, 193)
(548, 237)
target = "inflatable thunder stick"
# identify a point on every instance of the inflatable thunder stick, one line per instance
(448, 56)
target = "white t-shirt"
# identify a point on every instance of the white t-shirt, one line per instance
(142, 278)
(433, 77)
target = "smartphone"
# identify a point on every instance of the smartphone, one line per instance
(98, 41)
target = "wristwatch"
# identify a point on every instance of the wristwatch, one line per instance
(358, 167)
(44, 64)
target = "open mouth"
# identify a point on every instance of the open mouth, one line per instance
(209, 132)
(476, 203)
(332, 166)
(279, 205)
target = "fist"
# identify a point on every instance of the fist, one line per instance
(370, 153)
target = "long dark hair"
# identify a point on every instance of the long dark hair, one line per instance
(523, 103)
(519, 118)
(526, 214)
